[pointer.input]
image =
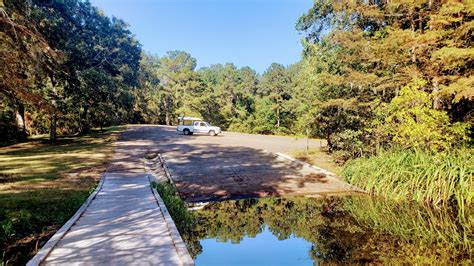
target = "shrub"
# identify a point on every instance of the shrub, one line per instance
(347, 144)
(409, 121)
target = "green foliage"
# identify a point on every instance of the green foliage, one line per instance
(347, 144)
(71, 65)
(275, 86)
(434, 178)
(409, 121)
(335, 116)
(264, 120)
(364, 52)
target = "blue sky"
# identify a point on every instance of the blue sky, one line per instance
(245, 32)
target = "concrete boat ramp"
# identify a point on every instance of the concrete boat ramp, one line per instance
(125, 222)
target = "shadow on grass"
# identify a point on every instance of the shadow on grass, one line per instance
(41, 160)
(42, 184)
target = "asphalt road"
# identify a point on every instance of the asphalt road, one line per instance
(233, 165)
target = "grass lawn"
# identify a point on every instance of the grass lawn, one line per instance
(42, 184)
(318, 157)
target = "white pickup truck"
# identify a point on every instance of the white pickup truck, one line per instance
(190, 125)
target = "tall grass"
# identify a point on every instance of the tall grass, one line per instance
(438, 179)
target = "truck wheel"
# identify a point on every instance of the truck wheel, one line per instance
(186, 131)
(212, 133)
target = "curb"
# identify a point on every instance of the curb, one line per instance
(44, 252)
(168, 174)
(324, 171)
(178, 242)
(288, 157)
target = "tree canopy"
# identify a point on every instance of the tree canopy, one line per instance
(66, 65)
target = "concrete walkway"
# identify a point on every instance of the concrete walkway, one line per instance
(124, 224)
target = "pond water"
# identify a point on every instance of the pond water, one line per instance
(263, 249)
(309, 231)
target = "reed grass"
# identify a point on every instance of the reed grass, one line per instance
(437, 179)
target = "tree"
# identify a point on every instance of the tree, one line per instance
(226, 95)
(275, 85)
(70, 61)
(147, 108)
(365, 52)
(26, 58)
(178, 81)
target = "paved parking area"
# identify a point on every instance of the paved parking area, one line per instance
(236, 165)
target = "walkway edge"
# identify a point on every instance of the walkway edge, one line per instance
(324, 171)
(178, 242)
(165, 167)
(44, 252)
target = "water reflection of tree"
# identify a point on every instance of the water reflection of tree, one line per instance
(338, 229)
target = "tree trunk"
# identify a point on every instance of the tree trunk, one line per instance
(437, 104)
(329, 143)
(167, 115)
(20, 122)
(167, 118)
(52, 132)
(52, 129)
(83, 127)
(278, 118)
(413, 28)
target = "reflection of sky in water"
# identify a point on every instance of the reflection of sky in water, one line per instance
(264, 249)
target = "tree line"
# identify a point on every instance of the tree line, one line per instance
(65, 67)
(373, 74)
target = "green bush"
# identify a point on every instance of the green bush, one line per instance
(434, 178)
(409, 121)
(347, 144)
